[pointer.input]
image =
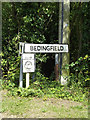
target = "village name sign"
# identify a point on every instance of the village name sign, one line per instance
(28, 61)
(46, 48)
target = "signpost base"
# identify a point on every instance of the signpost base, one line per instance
(56, 73)
(63, 81)
(56, 68)
(27, 80)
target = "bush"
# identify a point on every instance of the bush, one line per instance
(42, 86)
(7, 84)
(50, 89)
(80, 72)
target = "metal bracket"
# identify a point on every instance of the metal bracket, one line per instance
(21, 51)
(21, 48)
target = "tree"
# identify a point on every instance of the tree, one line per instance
(26, 22)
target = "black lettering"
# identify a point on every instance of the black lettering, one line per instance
(55, 48)
(31, 48)
(51, 47)
(35, 48)
(61, 48)
(45, 48)
(38, 48)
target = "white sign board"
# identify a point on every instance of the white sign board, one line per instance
(46, 48)
(28, 63)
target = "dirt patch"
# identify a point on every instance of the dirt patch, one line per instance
(65, 103)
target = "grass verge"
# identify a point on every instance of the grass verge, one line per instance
(33, 107)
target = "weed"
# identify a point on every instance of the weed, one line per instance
(44, 110)
(49, 90)
(77, 107)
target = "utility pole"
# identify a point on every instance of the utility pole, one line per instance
(59, 38)
(63, 37)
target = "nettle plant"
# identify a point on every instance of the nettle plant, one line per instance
(79, 76)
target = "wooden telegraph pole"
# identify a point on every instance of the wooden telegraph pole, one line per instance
(63, 36)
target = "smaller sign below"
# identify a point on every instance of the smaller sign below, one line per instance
(28, 63)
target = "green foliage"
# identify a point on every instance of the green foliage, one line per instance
(50, 89)
(79, 27)
(80, 72)
(31, 23)
(38, 23)
(39, 76)
(7, 84)
(41, 86)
